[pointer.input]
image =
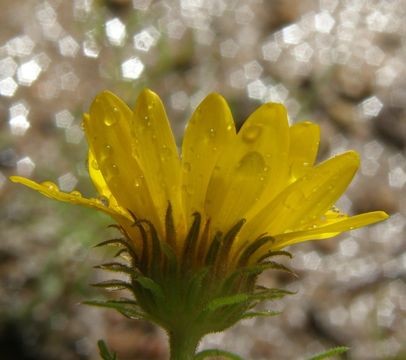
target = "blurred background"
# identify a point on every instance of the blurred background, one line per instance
(340, 64)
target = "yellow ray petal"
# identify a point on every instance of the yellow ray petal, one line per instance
(267, 131)
(304, 144)
(209, 132)
(98, 180)
(157, 153)
(51, 190)
(332, 229)
(110, 140)
(308, 198)
(252, 169)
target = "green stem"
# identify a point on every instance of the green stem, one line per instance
(182, 347)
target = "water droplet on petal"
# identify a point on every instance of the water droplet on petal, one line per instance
(212, 132)
(112, 116)
(50, 185)
(105, 153)
(114, 169)
(103, 200)
(251, 163)
(166, 150)
(75, 193)
(251, 133)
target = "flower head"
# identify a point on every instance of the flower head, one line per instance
(264, 174)
(230, 200)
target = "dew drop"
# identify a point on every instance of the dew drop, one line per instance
(251, 163)
(103, 200)
(166, 152)
(212, 132)
(251, 133)
(111, 117)
(75, 193)
(105, 153)
(50, 185)
(114, 169)
(229, 127)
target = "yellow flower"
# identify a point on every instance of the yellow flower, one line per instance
(264, 174)
(199, 228)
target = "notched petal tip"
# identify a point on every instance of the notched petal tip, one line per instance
(15, 179)
(148, 96)
(379, 215)
(278, 107)
(352, 157)
(348, 160)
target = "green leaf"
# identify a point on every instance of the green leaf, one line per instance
(151, 285)
(215, 352)
(252, 314)
(275, 253)
(331, 352)
(270, 294)
(116, 267)
(104, 351)
(226, 301)
(213, 249)
(229, 238)
(123, 307)
(257, 269)
(252, 248)
(195, 284)
(120, 242)
(170, 255)
(113, 285)
(170, 232)
(192, 237)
